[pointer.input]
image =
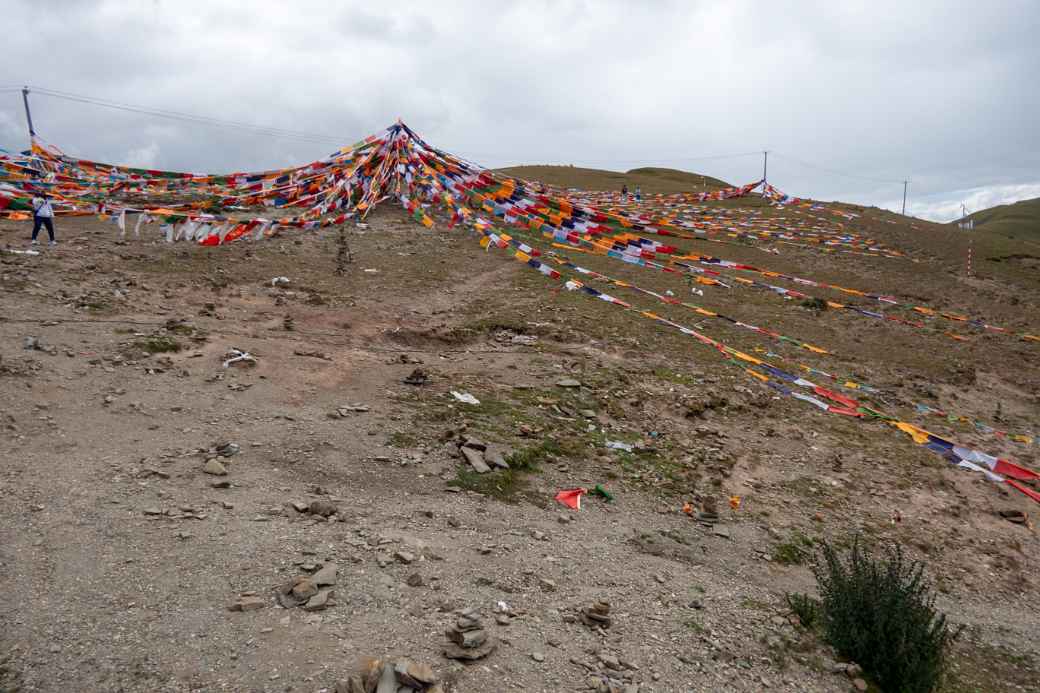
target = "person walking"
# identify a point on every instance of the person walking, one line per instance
(43, 215)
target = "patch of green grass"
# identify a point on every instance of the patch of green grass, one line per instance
(674, 376)
(488, 408)
(508, 484)
(755, 604)
(979, 667)
(796, 550)
(400, 439)
(158, 344)
(528, 459)
(504, 485)
(97, 306)
(180, 328)
(498, 322)
(694, 625)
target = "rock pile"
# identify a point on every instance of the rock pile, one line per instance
(467, 638)
(312, 592)
(401, 676)
(608, 673)
(417, 377)
(480, 455)
(596, 615)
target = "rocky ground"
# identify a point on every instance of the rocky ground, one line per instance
(288, 522)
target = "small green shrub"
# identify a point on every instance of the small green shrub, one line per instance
(528, 459)
(158, 344)
(805, 608)
(504, 485)
(880, 613)
(795, 551)
(816, 305)
(401, 439)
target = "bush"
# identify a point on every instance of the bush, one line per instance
(880, 614)
(794, 551)
(816, 305)
(158, 344)
(805, 608)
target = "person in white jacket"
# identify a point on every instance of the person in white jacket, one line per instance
(43, 215)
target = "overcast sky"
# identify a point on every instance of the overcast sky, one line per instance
(849, 97)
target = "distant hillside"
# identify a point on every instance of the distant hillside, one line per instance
(1019, 221)
(651, 180)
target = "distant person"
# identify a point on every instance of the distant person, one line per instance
(43, 215)
(624, 191)
(639, 193)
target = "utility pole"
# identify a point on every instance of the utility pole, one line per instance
(765, 168)
(904, 197)
(28, 113)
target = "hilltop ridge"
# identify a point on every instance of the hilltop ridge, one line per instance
(1017, 221)
(651, 179)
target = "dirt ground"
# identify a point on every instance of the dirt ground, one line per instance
(120, 556)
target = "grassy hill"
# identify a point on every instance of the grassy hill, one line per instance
(1019, 221)
(651, 180)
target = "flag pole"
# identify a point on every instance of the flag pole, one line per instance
(28, 113)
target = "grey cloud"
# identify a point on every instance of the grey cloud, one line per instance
(936, 91)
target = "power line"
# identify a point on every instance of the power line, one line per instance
(337, 141)
(189, 117)
(886, 181)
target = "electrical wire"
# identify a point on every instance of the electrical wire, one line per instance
(338, 141)
(188, 117)
(886, 181)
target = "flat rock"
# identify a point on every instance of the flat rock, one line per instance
(215, 467)
(476, 460)
(355, 684)
(1016, 516)
(496, 459)
(387, 680)
(414, 674)
(475, 443)
(568, 382)
(453, 651)
(467, 639)
(326, 575)
(247, 603)
(319, 601)
(304, 589)
(323, 508)
(405, 557)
